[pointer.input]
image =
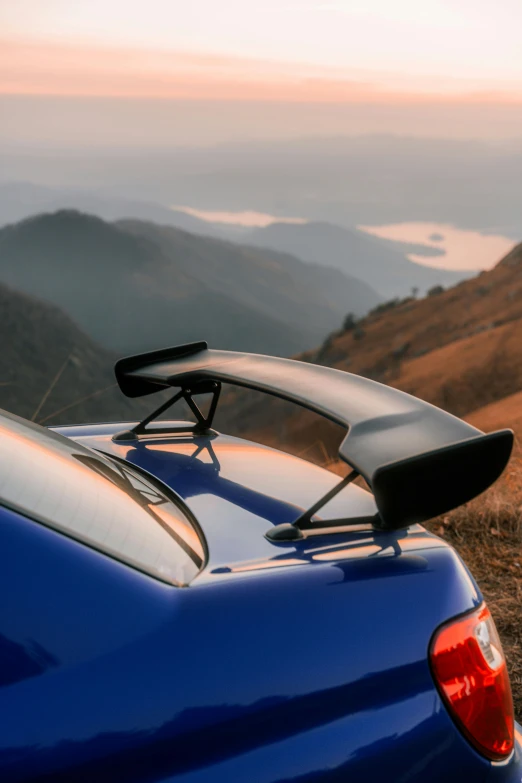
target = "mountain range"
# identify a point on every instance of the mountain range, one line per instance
(346, 180)
(459, 349)
(133, 285)
(381, 263)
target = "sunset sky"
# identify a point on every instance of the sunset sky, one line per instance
(381, 53)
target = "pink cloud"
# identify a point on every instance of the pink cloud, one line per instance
(34, 68)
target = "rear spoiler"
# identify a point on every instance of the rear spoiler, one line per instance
(418, 460)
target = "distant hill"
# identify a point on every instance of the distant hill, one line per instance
(459, 349)
(135, 286)
(347, 180)
(21, 200)
(42, 346)
(379, 262)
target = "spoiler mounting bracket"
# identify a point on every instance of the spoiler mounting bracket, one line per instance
(292, 531)
(203, 423)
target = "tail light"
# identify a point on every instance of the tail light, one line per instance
(470, 671)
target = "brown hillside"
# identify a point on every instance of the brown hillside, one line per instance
(504, 413)
(460, 349)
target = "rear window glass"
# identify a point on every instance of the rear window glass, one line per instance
(103, 503)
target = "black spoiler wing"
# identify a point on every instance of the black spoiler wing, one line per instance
(418, 460)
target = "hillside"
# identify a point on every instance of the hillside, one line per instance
(135, 286)
(504, 413)
(458, 349)
(263, 279)
(42, 346)
(380, 263)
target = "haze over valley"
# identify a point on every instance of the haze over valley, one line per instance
(168, 177)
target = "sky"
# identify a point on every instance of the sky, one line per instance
(340, 53)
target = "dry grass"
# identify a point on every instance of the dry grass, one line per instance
(487, 533)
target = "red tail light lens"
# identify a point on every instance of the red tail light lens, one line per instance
(470, 670)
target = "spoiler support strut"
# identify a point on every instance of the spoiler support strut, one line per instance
(294, 531)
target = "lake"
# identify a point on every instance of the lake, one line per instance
(246, 219)
(461, 248)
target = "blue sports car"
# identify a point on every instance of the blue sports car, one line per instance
(181, 605)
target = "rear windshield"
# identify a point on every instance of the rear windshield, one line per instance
(99, 501)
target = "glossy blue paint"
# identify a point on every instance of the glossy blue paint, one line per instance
(304, 662)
